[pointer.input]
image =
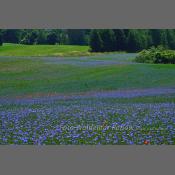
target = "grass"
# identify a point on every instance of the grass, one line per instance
(9, 49)
(43, 50)
(22, 76)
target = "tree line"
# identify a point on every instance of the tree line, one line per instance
(99, 40)
(131, 40)
(43, 36)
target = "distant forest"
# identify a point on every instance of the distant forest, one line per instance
(99, 40)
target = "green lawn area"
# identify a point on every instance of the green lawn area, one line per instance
(43, 50)
(19, 76)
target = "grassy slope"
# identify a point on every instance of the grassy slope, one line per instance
(20, 76)
(43, 50)
(27, 76)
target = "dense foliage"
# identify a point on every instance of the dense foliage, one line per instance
(156, 55)
(99, 40)
(43, 36)
(0, 38)
(131, 40)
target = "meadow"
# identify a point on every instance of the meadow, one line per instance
(9, 49)
(48, 98)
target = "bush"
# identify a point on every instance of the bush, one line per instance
(156, 55)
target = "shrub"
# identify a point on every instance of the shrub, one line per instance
(156, 55)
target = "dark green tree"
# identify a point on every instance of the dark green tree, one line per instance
(41, 37)
(120, 39)
(134, 41)
(62, 36)
(77, 37)
(149, 39)
(156, 36)
(30, 38)
(164, 40)
(171, 38)
(12, 36)
(143, 38)
(1, 40)
(33, 37)
(126, 31)
(52, 38)
(96, 42)
(108, 38)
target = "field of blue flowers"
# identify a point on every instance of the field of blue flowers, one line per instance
(140, 116)
(87, 121)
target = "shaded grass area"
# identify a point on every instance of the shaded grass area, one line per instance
(21, 76)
